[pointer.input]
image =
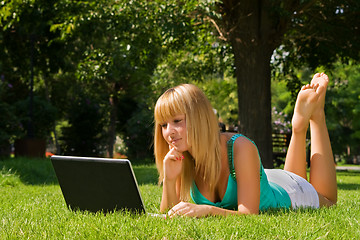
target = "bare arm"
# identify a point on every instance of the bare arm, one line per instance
(171, 182)
(247, 169)
(170, 195)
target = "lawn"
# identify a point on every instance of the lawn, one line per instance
(32, 207)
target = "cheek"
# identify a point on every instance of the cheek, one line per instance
(163, 133)
(184, 134)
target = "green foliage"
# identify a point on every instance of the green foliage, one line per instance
(26, 38)
(139, 132)
(343, 107)
(119, 44)
(29, 51)
(43, 116)
(223, 97)
(322, 33)
(123, 54)
(282, 106)
(84, 135)
(9, 123)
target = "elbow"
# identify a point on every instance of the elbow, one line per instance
(251, 213)
(248, 211)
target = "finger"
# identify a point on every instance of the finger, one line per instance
(189, 213)
(176, 155)
(170, 213)
(174, 210)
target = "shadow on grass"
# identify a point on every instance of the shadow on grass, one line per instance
(348, 173)
(349, 186)
(352, 180)
(280, 212)
(146, 174)
(40, 171)
(33, 171)
(37, 171)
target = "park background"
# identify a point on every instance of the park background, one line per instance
(82, 77)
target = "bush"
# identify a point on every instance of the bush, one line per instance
(10, 126)
(84, 135)
(139, 135)
(43, 117)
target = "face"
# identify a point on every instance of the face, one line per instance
(174, 132)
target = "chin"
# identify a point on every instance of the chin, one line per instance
(180, 149)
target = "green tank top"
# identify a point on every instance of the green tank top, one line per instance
(271, 194)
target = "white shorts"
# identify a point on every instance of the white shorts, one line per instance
(302, 194)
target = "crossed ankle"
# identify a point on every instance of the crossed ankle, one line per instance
(318, 116)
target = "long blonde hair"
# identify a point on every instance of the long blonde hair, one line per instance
(202, 133)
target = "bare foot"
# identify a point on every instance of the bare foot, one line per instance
(323, 80)
(306, 104)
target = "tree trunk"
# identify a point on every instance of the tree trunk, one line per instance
(254, 95)
(254, 34)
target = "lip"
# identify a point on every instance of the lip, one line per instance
(174, 141)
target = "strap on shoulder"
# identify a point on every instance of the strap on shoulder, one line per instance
(230, 146)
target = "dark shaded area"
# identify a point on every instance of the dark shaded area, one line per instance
(347, 173)
(146, 174)
(33, 171)
(38, 171)
(348, 186)
(85, 134)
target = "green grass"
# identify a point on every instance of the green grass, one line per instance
(32, 207)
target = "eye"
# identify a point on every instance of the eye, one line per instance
(164, 125)
(177, 120)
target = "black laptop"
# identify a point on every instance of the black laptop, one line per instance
(98, 184)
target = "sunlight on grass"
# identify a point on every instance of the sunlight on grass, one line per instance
(32, 207)
(8, 178)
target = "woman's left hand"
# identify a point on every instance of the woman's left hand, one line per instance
(189, 210)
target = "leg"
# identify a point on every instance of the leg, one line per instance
(305, 105)
(322, 168)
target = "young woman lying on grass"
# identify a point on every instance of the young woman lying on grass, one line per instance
(222, 172)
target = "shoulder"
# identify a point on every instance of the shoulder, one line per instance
(244, 143)
(245, 150)
(240, 143)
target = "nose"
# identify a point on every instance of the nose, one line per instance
(170, 130)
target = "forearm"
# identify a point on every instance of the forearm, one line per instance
(169, 196)
(216, 211)
(194, 210)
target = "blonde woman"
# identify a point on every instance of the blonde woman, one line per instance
(222, 172)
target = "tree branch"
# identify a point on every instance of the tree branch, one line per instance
(221, 35)
(303, 7)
